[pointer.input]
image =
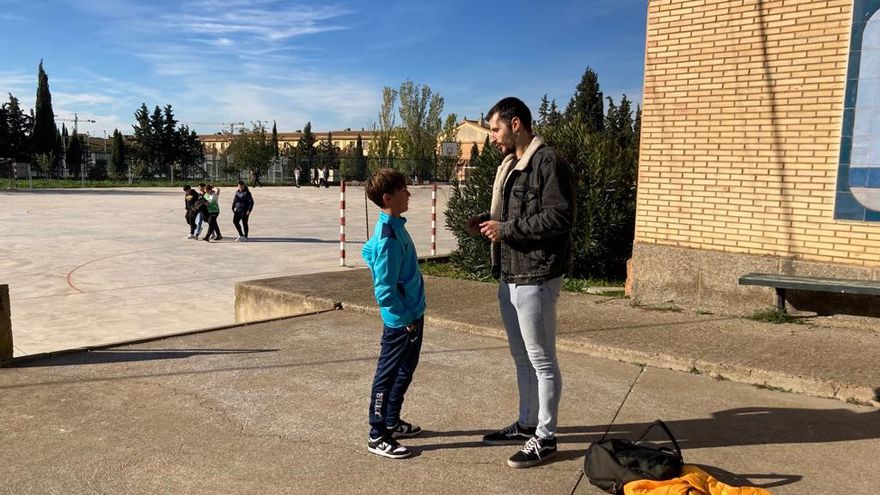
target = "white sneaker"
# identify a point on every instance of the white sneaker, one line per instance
(387, 447)
(238, 239)
(244, 239)
(189, 236)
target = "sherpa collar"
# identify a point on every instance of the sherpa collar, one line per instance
(504, 171)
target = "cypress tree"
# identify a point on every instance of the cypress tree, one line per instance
(275, 139)
(117, 158)
(44, 131)
(306, 149)
(587, 104)
(360, 161)
(4, 132)
(74, 156)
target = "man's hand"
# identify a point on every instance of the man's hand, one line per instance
(411, 327)
(492, 230)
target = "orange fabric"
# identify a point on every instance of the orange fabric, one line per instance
(693, 481)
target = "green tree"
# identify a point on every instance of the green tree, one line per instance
(305, 150)
(250, 150)
(275, 139)
(327, 152)
(470, 198)
(57, 167)
(420, 111)
(143, 138)
(190, 152)
(18, 127)
(170, 142)
(5, 151)
(587, 104)
(117, 156)
(619, 122)
(446, 164)
(360, 168)
(605, 177)
(383, 146)
(74, 156)
(44, 130)
(44, 163)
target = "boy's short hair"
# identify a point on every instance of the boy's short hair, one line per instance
(384, 181)
(201, 184)
(186, 188)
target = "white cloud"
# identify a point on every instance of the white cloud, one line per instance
(17, 83)
(221, 42)
(81, 98)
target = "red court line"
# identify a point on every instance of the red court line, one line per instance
(70, 273)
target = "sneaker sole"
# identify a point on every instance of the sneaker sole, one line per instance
(388, 455)
(512, 441)
(528, 464)
(406, 435)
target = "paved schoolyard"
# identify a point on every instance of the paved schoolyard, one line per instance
(92, 266)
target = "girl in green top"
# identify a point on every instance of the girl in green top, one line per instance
(212, 196)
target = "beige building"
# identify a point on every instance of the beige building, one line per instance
(217, 143)
(468, 134)
(759, 148)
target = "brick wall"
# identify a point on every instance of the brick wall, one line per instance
(741, 126)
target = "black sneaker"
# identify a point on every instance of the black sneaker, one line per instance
(387, 447)
(535, 451)
(404, 429)
(512, 435)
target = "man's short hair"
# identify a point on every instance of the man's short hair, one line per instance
(384, 181)
(186, 188)
(511, 107)
(241, 183)
(201, 184)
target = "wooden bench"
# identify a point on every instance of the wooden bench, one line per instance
(818, 284)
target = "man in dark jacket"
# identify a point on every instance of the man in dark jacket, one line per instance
(190, 196)
(242, 205)
(529, 225)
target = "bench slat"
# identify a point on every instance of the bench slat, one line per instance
(840, 286)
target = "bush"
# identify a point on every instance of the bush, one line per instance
(605, 173)
(473, 198)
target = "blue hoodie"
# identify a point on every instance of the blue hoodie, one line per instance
(397, 281)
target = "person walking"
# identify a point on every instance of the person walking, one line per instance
(242, 204)
(190, 198)
(212, 197)
(529, 225)
(201, 208)
(296, 172)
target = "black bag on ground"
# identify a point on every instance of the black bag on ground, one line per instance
(610, 464)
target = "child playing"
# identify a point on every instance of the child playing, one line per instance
(400, 293)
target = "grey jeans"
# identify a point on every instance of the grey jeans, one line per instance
(529, 315)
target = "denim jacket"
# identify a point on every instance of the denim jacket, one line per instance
(537, 213)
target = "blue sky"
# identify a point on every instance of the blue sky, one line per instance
(236, 60)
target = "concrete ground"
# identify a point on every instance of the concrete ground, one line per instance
(281, 407)
(92, 266)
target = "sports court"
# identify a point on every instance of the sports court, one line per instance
(93, 266)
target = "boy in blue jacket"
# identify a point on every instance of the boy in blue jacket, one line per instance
(400, 293)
